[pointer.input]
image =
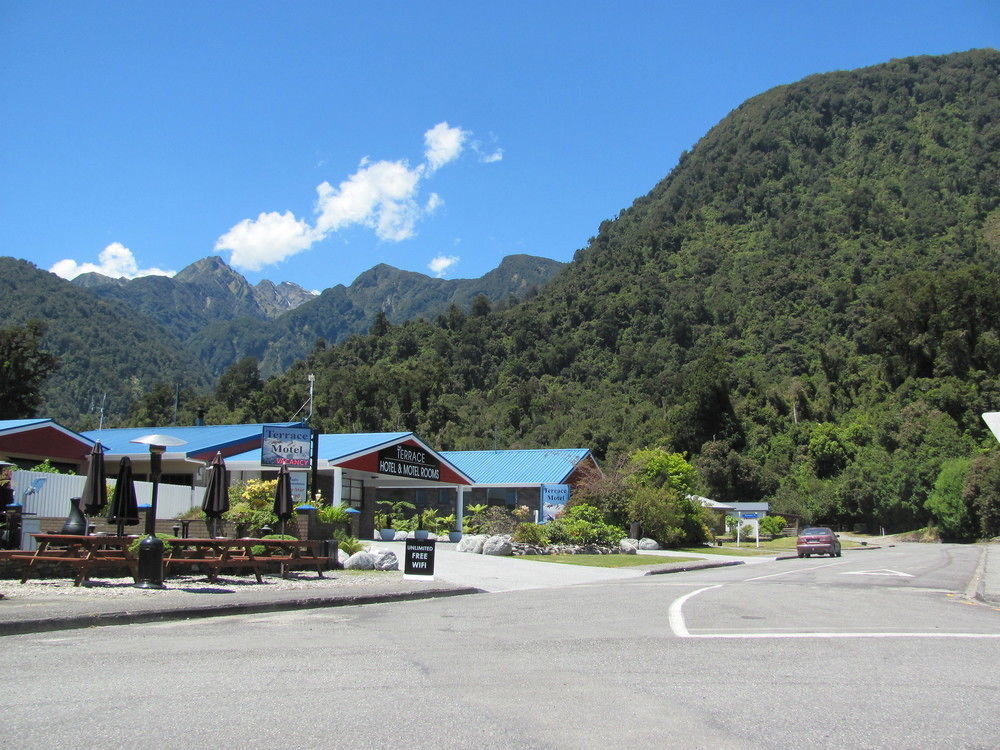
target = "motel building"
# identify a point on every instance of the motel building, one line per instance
(356, 469)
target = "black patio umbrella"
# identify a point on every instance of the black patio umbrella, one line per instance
(124, 509)
(283, 497)
(95, 489)
(216, 500)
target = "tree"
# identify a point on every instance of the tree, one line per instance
(24, 367)
(239, 382)
(982, 492)
(946, 502)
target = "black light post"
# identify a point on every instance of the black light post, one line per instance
(150, 572)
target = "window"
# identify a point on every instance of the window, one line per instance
(352, 491)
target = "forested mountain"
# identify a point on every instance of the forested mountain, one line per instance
(806, 305)
(105, 353)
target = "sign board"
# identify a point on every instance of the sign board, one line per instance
(402, 460)
(552, 501)
(288, 446)
(418, 561)
(298, 479)
(749, 515)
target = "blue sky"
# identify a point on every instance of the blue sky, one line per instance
(308, 141)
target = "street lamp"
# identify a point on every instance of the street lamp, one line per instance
(150, 573)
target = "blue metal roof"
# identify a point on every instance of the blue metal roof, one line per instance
(517, 467)
(199, 438)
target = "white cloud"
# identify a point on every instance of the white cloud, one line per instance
(491, 158)
(380, 195)
(442, 263)
(116, 261)
(269, 238)
(383, 196)
(444, 144)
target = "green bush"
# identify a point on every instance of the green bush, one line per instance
(772, 525)
(333, 514)
(350, 545)
(583, 524)
(667, 517)
(530, 533)
(493, 520)
(259, 549)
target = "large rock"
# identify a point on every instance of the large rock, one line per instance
(628, 546)
(647, 543)
(498, 545)
(471, 543)
(360, 561)
(342, 557)
(386, 560)
(400, 536)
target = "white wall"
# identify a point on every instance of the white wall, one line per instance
(52, 500)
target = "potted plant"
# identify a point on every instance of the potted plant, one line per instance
(386, 520)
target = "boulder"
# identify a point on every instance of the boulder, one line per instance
(471, 543)
(429, 537)
(628, 546)
(400, 536)
(386, 560)
(360, 561)
(342, 557)
(647, 543)
(498, 545)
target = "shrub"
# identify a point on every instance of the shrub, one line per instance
(667, 517)
(530, 533)
(350, 545)
(493, 520)
(583, 524)
(333, 514)
(259, 549)
(772, 525)
(252, 504)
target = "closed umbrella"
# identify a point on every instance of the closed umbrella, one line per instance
(283, 497)
(216, 500)
(124, 509)
(95, 489)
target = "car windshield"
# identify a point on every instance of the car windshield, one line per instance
(813, 532)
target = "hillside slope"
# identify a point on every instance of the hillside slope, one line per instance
(807, 300)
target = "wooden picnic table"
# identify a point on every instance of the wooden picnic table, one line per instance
(81, 552)
(216, 554)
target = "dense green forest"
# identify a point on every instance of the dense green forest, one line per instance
(806, 306)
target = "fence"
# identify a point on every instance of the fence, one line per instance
(47, 495)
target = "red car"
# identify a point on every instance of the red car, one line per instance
(818, 540)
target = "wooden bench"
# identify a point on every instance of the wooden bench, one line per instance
(238, 554)
(79, 552)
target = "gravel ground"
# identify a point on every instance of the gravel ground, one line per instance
(180, 588)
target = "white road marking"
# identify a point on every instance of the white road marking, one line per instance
(797, 570)
(676, 618)
(882, 572)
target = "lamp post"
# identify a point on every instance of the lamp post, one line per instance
(150, 573)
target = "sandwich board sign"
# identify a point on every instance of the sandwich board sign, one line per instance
(418, 561)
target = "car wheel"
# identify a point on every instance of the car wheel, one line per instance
(838, 553)
(801, 555)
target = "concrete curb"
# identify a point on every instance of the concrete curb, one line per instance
(685, 568)
(977, 587)
(18, 627)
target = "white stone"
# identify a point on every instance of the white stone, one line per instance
(647, 543)
(471, 543)
(498, 545)
(386, 560)
(360, 561)
(342, 557)
(628, 546)
(400, 536)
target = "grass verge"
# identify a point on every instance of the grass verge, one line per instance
(607, 561)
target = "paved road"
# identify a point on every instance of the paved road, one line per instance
(875, 649)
